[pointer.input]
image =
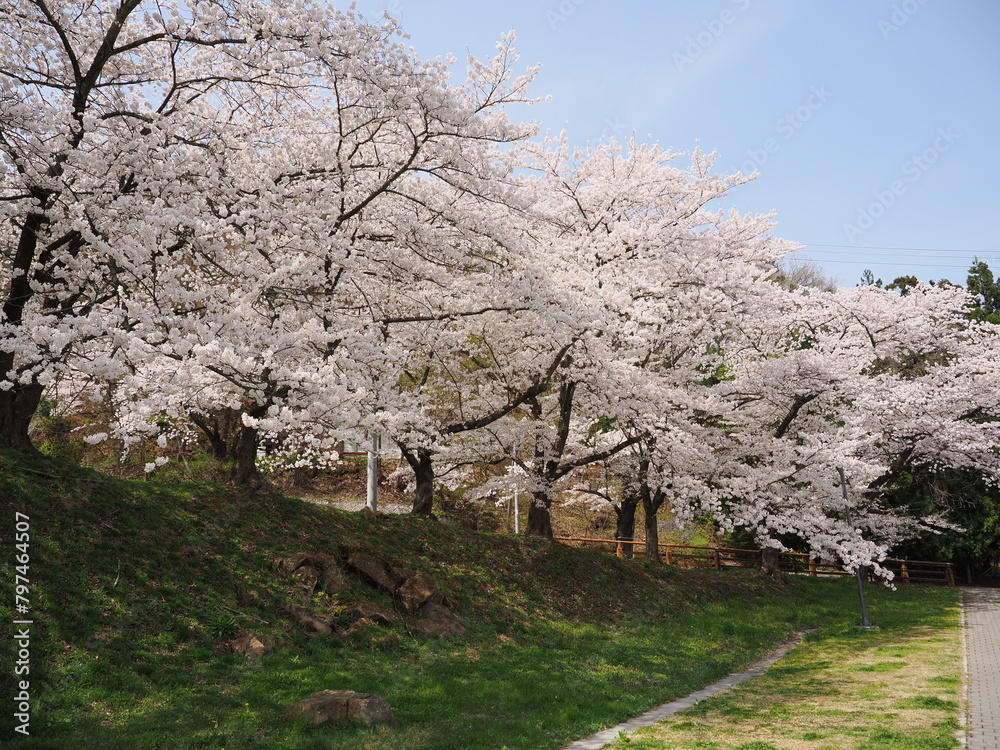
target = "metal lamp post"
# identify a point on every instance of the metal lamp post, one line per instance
(857, 573)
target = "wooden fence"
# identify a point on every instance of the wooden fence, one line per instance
(693, 556)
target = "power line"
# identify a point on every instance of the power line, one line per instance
(904, 249)
(866, 253)
(876, 262)
(872, 263)
(913, 252)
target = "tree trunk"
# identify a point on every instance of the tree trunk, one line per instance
(539, 515)
(625, 526)
(422, 463)
(19, 404)
(218, 447)
(217, 441)
(769, 562)
(651, 502)
(17, 407)
(220, 428)
(245, 452)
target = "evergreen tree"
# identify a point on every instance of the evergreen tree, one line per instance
(986, 290)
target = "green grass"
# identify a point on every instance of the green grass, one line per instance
(834, 691)
(137, 586)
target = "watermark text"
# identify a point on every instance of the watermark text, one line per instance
(900, 16)
(914, 169)
(22, 623)
(786, 127)
(711, 30)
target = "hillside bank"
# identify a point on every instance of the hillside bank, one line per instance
(137, 590)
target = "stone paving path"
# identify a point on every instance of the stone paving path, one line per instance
(652, 716)
(982, 646)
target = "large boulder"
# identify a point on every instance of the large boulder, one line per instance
(288, 565)
(371, 571)
(440, 622)
(312, 623)
(341, 706)
(331, 576)
(313, 571)
(250, 646)
(306, 578)
(372, 613)
(418, 590)
(400, 574)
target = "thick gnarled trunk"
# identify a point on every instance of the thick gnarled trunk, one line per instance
(652, 501)
(625, 522)
(17, 407)
(540, 516)
(19, 404)
(422, 463)
(652, 536)
(550, 464)
(547, 462)
(244, 469)
(769, 562)
(221, 431)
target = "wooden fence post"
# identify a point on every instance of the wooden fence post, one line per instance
(717, 565)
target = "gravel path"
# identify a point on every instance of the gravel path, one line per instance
(397, 508)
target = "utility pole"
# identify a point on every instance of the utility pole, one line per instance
(373, 454)
(857, 573)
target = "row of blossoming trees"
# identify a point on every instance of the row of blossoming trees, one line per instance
(275, 213)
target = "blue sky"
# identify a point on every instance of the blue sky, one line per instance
(873, 123)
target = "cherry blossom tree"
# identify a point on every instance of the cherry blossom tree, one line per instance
(248, 191)
(646, 275)
(454, 392)
(863, 379)
(277, 213)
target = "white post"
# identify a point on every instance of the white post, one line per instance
(373, 453)
(517, 515)
(857, 573)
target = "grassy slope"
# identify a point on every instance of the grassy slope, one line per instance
(137, 586)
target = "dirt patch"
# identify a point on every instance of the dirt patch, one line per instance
(343, 486)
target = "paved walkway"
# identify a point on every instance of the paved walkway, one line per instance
(654, 715)
(982, 645)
